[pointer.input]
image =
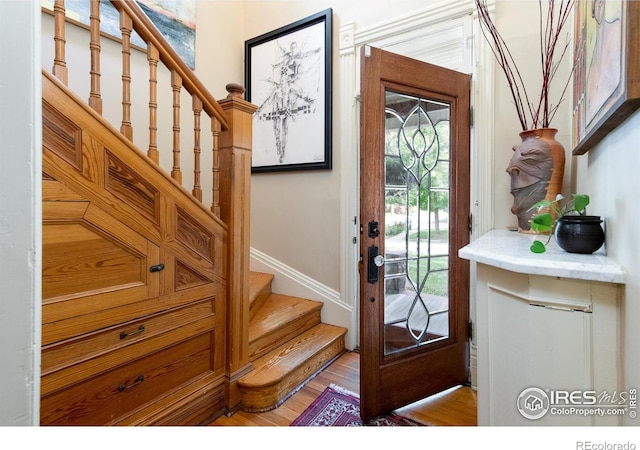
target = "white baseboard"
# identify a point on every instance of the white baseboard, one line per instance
(288, 281)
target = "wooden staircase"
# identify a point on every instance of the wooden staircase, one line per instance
(288, 345)
(146, 280)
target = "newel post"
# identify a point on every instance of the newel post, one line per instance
(235, 204)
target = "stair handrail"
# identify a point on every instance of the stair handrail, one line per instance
(150, 34)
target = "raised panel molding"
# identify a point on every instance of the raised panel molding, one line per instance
(80, 259)
(194, 236)
(186, 278)
(61, 136)
(131, 188)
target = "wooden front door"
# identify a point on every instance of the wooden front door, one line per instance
(414, 193)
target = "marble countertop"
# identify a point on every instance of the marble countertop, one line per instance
(509, 250)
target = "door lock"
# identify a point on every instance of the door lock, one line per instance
(374, 229)
(375, 262)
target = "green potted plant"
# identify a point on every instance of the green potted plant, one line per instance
(574, 230)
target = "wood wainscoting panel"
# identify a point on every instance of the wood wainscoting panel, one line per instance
(193, 235)
(53, 190)
(130, 187)
(186, 278)
(126, 250)
(61, 135)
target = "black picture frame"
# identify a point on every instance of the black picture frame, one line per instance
(288, 76)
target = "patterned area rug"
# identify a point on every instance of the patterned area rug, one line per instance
(338, 407)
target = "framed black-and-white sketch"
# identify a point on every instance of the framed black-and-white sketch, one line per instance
(288, 76)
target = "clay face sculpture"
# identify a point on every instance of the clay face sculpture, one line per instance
(530, 170)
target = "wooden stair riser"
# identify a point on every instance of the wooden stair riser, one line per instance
(265, 398)
(260, 288)
(267, 343)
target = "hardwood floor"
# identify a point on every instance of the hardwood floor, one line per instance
(454, 407)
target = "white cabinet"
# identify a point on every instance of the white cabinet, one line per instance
(548, 350)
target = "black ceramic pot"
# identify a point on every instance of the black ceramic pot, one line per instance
(579, 234)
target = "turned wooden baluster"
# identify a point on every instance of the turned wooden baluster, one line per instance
(176, 84)
(59, 62)
(215, 131)
(126, 25)
(153, 56)
(197, 110)
(95, 99)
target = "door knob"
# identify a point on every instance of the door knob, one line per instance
(379, 260)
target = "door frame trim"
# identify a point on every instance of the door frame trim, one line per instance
(348, 113)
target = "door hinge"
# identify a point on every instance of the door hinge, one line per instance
(471, 116)
(470, 223)
(470, 329)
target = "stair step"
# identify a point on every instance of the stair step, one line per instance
(259, 291)
(280, 318)
(279, 373)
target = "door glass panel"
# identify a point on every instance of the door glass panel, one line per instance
(416, 269)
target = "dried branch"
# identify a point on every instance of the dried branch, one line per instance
(550, 32)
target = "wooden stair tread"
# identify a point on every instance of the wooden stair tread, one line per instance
(279, 310)
(277, 364)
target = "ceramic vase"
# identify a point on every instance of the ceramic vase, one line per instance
(536, 170)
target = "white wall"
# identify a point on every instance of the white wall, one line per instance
(20, 213)
(608, 173)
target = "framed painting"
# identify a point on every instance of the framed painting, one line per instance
(288, 77)
(176, 21)
(606, 82)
